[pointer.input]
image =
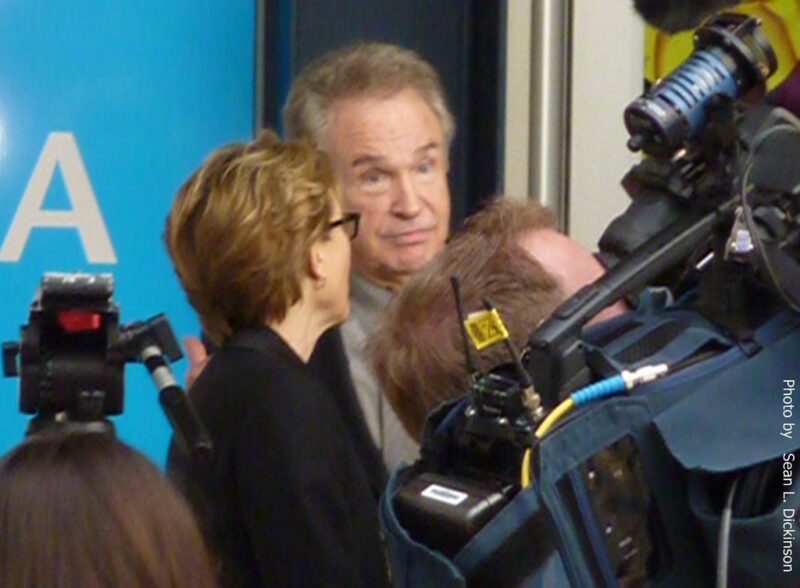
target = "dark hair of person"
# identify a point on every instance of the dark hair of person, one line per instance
(86, 510)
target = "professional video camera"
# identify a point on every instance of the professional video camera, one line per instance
(529, 480)
(719, 184)
(73, 352)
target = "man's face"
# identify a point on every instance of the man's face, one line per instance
(391, 157)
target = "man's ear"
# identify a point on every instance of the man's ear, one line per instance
(316, 261)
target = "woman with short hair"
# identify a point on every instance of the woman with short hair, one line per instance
(262, 249)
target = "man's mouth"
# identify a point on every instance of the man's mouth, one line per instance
(407, 238)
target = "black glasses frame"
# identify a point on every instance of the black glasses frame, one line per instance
(349, 222)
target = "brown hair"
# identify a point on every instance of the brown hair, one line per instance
(506, 218)
(241, 228)
(83, 509)
(418, 352)
(364, 69)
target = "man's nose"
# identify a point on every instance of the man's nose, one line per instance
(407, 200)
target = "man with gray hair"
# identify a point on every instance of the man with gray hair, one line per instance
(380, 113)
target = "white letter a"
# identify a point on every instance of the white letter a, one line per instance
(60, 148)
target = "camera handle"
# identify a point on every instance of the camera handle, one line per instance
(153, 343)
(555, 356)
(699, 197)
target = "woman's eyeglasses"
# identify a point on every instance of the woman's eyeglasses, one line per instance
(349, 222)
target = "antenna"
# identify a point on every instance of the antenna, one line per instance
(530, 398)
(472, 365)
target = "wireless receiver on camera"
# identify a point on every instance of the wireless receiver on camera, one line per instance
(72, 356)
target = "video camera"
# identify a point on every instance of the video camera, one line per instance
(73, 353)
(516, 484)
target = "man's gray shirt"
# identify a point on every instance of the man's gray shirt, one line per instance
(367, 302)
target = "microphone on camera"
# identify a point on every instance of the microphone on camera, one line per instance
(678, 15)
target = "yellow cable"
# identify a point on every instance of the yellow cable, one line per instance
(556, 415)
(526, 468)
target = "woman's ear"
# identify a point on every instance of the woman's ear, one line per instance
(316, 261)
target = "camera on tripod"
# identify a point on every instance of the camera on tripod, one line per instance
(72, 356)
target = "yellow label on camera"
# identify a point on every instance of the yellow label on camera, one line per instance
(485, 328)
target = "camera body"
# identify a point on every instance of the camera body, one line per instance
(69, 363)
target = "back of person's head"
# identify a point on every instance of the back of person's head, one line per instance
(83, 509)
(418, 351)
(506, 218)
(241, 227)
(373, 70)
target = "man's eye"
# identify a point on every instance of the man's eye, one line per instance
(425, 167)
(373, 176)
(375, 181)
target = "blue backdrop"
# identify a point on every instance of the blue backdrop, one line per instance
(105, 108)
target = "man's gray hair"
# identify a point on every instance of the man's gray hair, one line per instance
(361, 70)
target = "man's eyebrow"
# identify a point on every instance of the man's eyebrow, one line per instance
(429, 146)
(376, 159)
(367, 160)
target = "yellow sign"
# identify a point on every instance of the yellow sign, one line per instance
(485, 328)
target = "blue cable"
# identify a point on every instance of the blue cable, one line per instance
(601, 389)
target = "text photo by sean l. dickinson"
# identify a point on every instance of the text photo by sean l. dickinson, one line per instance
(789, 519)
